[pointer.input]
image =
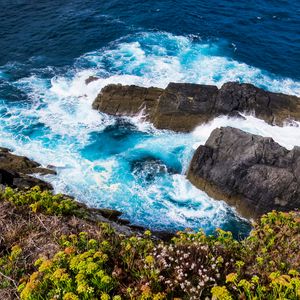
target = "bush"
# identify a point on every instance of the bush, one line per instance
(104, 264)
(192, 266)
(43, 201)
(270, 259)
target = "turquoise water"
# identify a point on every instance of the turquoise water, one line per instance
(126, 164)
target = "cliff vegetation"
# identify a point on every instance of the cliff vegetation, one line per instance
(50, 249)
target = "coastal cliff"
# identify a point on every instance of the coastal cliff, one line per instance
(16, 171)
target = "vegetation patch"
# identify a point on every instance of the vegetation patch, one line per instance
(43, 201)
(49, 251)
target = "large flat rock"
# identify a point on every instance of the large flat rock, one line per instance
(117, 99)
(250, 172)
(183, 106)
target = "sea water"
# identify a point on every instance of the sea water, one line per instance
(126, 164)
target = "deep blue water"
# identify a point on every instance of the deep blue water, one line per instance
(48, 49)
(264, 34)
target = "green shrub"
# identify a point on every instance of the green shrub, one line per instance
(42, 201)
(102, 264)
(9, 266)
(269, 264)
(91, 269)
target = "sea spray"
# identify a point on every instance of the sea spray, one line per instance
(127, 164)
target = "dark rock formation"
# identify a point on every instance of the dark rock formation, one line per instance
(274, 108)
(253, 173)
(127, 100)
(91, 79)
(183, 106)
(15, 171)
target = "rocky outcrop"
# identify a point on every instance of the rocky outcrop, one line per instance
(250, 172)
(127, 100)
(274, 108)
(15, 171)
(183, 106)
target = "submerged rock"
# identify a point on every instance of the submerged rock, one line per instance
(183, 106)
(91, 79)
(15, 170)
(146, 170)
(253, 173)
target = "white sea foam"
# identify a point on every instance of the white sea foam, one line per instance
(161, 57)
(56, 125)
(287, 136)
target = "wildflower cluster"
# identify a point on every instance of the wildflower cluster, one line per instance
(269, 263)
(194, 262)
(79, 271)
(9, 266)
(42, 201)
(111, 267)
(191, 266)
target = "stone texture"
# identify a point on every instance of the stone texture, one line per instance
(15, 171)
(274, 108)
(127, 100)
(183, 106)
(250, 172)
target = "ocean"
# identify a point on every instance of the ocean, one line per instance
(49, 48)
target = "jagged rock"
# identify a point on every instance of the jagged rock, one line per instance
(183, 106)
(91, 79)
(15, 170)
(274, 108)
(253, 173)
(110, 214)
